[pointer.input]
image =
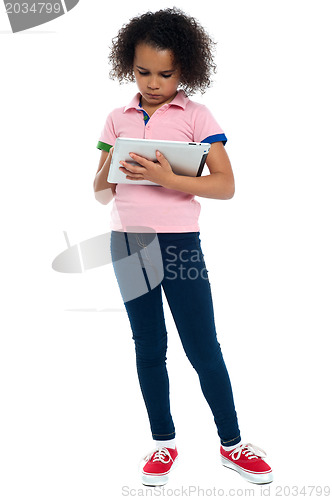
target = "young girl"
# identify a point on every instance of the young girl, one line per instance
(168, 54)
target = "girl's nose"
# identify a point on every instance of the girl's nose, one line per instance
(153, 83)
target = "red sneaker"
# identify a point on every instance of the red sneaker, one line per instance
(246, 459)
(156, 466)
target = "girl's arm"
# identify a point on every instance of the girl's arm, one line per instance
(104, 191)
(218, 185)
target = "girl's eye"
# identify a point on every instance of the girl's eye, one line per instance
(145, 73)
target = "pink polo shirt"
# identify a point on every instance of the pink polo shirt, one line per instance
(156, 207)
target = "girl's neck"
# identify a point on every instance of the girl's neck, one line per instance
(151, 109)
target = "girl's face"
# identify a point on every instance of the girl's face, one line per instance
(156, 75)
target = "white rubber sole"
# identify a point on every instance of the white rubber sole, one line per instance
(249, 476)
(156, 480)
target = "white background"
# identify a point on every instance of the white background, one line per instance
(73, 423)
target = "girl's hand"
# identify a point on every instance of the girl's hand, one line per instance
(160, 172)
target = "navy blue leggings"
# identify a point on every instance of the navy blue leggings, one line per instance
(144, 263)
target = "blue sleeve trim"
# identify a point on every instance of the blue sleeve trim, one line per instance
(216, 138)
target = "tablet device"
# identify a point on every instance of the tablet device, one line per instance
(185, 158)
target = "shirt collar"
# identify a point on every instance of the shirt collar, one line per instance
(180, 100)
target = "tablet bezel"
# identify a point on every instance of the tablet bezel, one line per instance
(184, 154)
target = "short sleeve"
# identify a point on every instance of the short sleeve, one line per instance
(206, 128)
(107, 137)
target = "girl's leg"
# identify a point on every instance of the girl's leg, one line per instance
(188, 293)
(147, 322)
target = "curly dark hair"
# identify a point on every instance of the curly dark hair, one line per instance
(168, 29)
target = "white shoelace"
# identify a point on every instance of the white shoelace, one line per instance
(160, 455)
(249, 450)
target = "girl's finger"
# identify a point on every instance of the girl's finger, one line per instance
(140, 159)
